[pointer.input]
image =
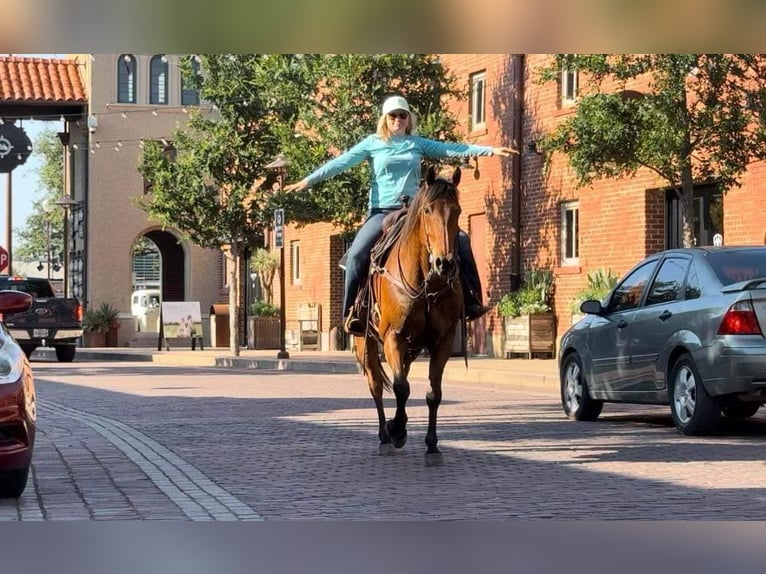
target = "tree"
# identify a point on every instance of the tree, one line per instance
(343, 109)
(214, 187)
(33, 244)
(265, 263)
(701, 120)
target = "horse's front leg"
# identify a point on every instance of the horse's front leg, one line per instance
(376, 381)
(439, 356)
(395, 348)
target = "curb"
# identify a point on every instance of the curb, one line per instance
(455, 371)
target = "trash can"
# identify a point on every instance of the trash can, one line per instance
(219, 325)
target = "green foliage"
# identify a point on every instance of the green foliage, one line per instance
(600, 283)
(533, 297)
(264, 309)
(266, 264)
(701, 120)
(101, 320)
(33, 237)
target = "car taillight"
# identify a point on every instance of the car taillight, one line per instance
(740, 319)
(78, 312)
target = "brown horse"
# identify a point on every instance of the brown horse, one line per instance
(418, 304)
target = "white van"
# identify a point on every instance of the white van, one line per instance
(145, 307)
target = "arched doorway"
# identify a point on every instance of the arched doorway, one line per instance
(158, 261)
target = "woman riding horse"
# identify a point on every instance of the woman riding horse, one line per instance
(395, 155)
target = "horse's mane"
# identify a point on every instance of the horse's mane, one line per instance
(439, 189)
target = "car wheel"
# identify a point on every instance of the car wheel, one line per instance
(28, 350)
(737, 409)
(575, 397)
(65, 353)
(13, 483)
(694, 411)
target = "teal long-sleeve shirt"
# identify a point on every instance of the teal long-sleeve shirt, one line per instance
(395, 164)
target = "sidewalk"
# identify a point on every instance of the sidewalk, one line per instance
(480, 369)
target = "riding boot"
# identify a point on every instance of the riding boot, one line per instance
(353, 324)
(469, 277)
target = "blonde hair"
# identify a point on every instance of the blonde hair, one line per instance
(385, 134)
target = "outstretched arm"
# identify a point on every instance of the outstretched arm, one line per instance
(298, 186)
(504, 151)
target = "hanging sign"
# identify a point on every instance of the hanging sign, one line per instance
(15, 147)
(279, 228)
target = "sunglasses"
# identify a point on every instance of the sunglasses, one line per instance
(400, 115)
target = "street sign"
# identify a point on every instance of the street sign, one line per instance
(279, 228)
(3, 259)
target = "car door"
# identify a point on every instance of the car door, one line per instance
(660, 316)
(609, 334)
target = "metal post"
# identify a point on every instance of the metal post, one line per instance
(48, 242)
(9, 223)
(283, 354)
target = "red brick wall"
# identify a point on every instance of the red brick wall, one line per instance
(621, 220)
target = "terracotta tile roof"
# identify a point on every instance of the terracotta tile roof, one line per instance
(40, 80)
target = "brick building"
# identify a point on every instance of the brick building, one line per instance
(527, 212)
(522, 213)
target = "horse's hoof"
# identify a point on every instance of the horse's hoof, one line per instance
(400, 441)
(434, 459)
(386, 449)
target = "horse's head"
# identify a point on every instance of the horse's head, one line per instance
(438, 210)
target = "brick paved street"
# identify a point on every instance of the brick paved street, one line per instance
(132, 441)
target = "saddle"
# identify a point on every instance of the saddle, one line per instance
(392, 226)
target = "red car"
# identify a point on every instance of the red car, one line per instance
(17, 403)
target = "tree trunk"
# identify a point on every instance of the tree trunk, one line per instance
(685, 199)
(233, 257)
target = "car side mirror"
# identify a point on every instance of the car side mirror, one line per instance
(591, 307)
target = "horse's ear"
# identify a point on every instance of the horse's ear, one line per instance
(456, 177)
(431, 175)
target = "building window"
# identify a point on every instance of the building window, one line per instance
(295, 261)
(189, 94)
(569, 87)
(126, 79)
(478, 100)
(158, 85)
(570, 233)
(706, 217)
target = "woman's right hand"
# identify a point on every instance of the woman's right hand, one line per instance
(299, 186)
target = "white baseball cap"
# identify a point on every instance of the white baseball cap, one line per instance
(395, 103)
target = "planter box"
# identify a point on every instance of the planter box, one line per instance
(530, 335)
(93, 339)
(263, 333)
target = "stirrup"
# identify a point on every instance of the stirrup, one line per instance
(353, 325)
(475, 311)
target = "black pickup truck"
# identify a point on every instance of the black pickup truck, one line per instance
(50, 322)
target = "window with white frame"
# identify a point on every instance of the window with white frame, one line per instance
(478, 100)
(295, 261)
(569, 86)
(570, 233)
(126, 79)
(158, 85)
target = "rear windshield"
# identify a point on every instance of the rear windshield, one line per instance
(39, 288)
(735, 266)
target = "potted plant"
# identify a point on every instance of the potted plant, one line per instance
(529, 324)
(100, 326)
(263, 326)
(600, 284)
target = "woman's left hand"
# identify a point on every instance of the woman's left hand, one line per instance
(504, 151)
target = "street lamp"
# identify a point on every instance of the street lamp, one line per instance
(280, 164)
(66, 203)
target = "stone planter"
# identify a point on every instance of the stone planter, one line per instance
(530, 335)
(263, 333)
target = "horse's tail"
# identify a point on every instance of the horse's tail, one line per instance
(369, 358)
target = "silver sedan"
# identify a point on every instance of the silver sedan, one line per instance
(684, 327)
